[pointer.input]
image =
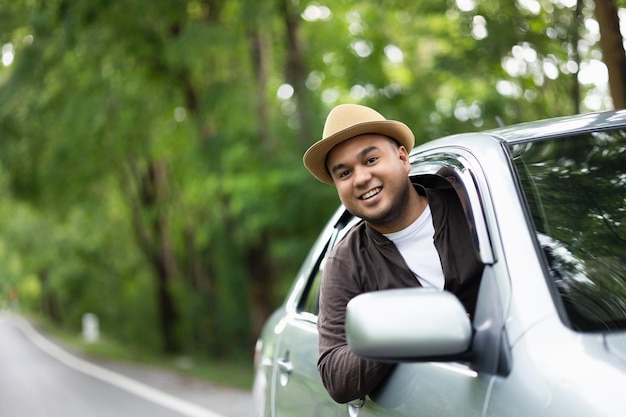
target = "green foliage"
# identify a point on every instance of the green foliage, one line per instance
(145, 151)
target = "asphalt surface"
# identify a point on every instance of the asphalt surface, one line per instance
(39, 378)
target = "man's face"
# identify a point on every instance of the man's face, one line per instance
(371, 175)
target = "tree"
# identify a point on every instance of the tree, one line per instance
(157, 146)
(612, 46)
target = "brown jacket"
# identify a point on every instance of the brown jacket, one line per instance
(365, 260)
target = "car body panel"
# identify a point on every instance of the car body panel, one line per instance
(452, 389)
(570, 376)
(297, 385)
(616, 345)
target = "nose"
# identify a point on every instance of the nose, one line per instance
(362, 176)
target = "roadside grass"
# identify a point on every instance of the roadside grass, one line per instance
(236, 372)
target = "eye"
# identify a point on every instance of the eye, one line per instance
(371, 160)
(343, 174)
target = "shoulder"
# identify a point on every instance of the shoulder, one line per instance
(351, 241)
(360, 240)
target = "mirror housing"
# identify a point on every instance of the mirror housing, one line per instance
(407, 324)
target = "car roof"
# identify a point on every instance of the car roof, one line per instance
(561, 126)
(539, 129)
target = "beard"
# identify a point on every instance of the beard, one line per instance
(394, 213)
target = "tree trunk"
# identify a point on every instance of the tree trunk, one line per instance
(295, 71)
(258, 260)
(201, 278)
(49, 305)
(574, 40)
(261, 277)
(152, 234)
(611, 44)
(259, 57)
(162, 258)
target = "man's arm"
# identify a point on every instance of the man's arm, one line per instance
(345, 375)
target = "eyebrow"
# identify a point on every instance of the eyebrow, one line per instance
(361, 154)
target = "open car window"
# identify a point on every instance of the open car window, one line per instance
(455, 170)
(435, 172)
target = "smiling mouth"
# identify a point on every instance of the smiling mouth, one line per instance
(371, 193)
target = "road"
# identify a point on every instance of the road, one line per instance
(40, 379)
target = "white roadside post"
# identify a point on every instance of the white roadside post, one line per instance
(91, 327)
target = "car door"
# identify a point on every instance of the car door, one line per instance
(297, 386)
(413, 389)
(449, 388)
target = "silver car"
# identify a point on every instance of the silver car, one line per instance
(546, 202)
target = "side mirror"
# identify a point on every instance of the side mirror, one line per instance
(407, 324)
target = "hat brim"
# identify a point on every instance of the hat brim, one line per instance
(315, 157)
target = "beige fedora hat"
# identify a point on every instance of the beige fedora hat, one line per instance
(345, 122)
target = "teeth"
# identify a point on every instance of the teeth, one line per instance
(370, 194)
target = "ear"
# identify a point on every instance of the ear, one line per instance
(404, 157)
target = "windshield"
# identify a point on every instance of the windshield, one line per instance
(575, 189)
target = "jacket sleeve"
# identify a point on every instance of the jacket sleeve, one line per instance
(345, 375)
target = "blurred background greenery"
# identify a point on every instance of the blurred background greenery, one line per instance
(150, 151)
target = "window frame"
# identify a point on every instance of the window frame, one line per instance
(426, 163)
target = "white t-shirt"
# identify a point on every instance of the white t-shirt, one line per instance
(417, 246)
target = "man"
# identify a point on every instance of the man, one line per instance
(410, 236)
